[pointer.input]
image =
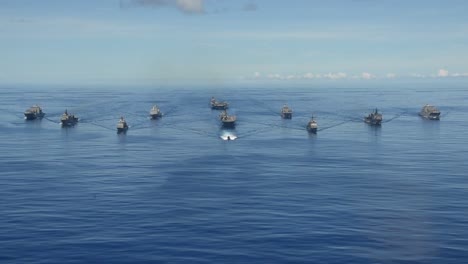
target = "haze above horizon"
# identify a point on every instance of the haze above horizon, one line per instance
(214, 41)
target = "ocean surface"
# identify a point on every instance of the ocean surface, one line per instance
(172, 191)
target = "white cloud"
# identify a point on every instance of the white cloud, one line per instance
(308, 75)
(443, 73)
(417, 75)
(191, 6)
(334, 76)
(342, 75)
(459, 74)
(275, 76)
(367, 76)
(186, 6)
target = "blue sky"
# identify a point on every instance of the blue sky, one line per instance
(225, 41)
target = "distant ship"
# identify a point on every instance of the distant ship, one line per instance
(68, 120)
(374, 118)
(122, 126)
(33, 112)
(155, 113)
(312, 126)
(286, 112)
(227, 120)
(218, 105)
(430, 112)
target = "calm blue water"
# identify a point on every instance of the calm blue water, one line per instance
(171, 191)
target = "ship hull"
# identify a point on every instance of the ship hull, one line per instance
(69, 123)
(286, 115)
(430, 116)
(32, 116)
(219, 107)
(29, 116)
(229, 124)
(122, 130)
(155, 116)
(373, 122)
(312, 128)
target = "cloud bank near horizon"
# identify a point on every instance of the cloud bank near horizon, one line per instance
(442, 73)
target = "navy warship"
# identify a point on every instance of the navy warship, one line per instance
(33, 112)
(227, 120)
(122, 126)
(374, 118)
(155, 113)
(218, 105)
(430, 112)
(312, 126)
(286, 112)
(68, 120)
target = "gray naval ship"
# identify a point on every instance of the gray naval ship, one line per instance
(68, 120)
(122, 126)
(216, 105)
(375, 118)
(430, 112)
(227, 120)
(312, 126)
(155, 112)
(286, 112)
(34, 112)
